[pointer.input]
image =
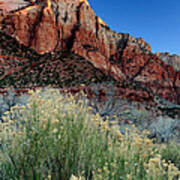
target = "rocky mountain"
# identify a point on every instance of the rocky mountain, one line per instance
(172, 60)
(64, 43)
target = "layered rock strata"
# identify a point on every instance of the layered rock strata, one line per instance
(63, 42)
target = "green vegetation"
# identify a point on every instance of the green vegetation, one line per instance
(57, 137)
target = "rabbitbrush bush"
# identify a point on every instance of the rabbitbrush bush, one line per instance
(57, 137)
(9, 100)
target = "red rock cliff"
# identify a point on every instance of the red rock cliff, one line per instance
(66, 37)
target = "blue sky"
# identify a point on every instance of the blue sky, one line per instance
(157, 21)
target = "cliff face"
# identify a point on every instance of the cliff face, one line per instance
(65, 39)
(172, 60)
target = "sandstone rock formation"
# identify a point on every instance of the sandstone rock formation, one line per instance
(63, 42)
(172, 60)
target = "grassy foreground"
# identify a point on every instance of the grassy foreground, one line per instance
(57, 137)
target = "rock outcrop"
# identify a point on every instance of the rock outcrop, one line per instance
(172, 60)
(63, 42)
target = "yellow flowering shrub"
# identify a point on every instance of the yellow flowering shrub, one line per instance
(57, 137)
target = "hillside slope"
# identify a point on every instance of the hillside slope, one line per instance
(63, 42)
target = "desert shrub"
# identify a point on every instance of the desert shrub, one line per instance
(104, 107)
(165, 129)
(116, 109)
(171, 152)
(9, 99)
(57, 137)
(3, 106)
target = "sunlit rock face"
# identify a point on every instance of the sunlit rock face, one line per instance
(62, 30)
(10, 5)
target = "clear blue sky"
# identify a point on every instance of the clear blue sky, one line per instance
(157, 21)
